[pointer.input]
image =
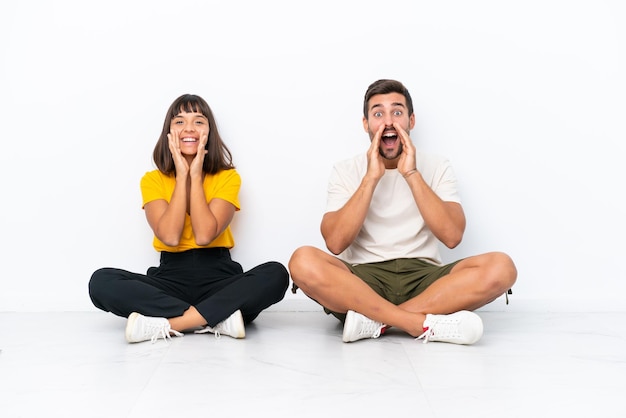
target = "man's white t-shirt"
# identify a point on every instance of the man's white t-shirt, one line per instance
(393, 227)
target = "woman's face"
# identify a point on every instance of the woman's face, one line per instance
(188, 127)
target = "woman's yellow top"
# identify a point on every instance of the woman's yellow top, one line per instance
(223, 185)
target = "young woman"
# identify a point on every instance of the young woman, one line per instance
(189, 203)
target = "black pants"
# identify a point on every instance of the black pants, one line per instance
(207, 279)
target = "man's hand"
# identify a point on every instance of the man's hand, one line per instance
(375, 164)
(407, 162)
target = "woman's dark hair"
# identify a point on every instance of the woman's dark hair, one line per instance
(385, 87)
(218, 158)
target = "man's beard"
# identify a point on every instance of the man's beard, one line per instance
(390, 156)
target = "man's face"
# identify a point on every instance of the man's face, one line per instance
(385, 109)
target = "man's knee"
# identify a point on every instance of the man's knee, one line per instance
(501, 271)
(302, 260)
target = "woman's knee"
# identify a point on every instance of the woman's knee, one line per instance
(273, 273)
(99, 286)
(98, 280)
(274, 269)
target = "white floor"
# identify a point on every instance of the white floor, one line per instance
(294, 364)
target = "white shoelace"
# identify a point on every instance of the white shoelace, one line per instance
(426, 335)
(163, 332)
(209, 329)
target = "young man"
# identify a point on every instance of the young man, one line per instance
(387, 211)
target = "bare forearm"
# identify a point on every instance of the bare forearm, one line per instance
(204, 224)
(171, 223)
(341, 227)
(446, 220)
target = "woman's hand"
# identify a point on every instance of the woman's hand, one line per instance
(182, 167)
(198, 161)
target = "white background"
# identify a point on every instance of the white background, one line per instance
(527, 99)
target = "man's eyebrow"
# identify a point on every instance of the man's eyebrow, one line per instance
(398, 104)
(394, 104)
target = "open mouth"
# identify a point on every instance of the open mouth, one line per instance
(189, 139)
(389, 137)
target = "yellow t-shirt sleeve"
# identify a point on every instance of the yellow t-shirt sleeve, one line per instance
(224, 185)
(155, 185)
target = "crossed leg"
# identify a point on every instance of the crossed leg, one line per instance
(472, 283)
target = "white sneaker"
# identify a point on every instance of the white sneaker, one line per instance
(463, 327)
(231, 326)
(143, 328)
(357, 327)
